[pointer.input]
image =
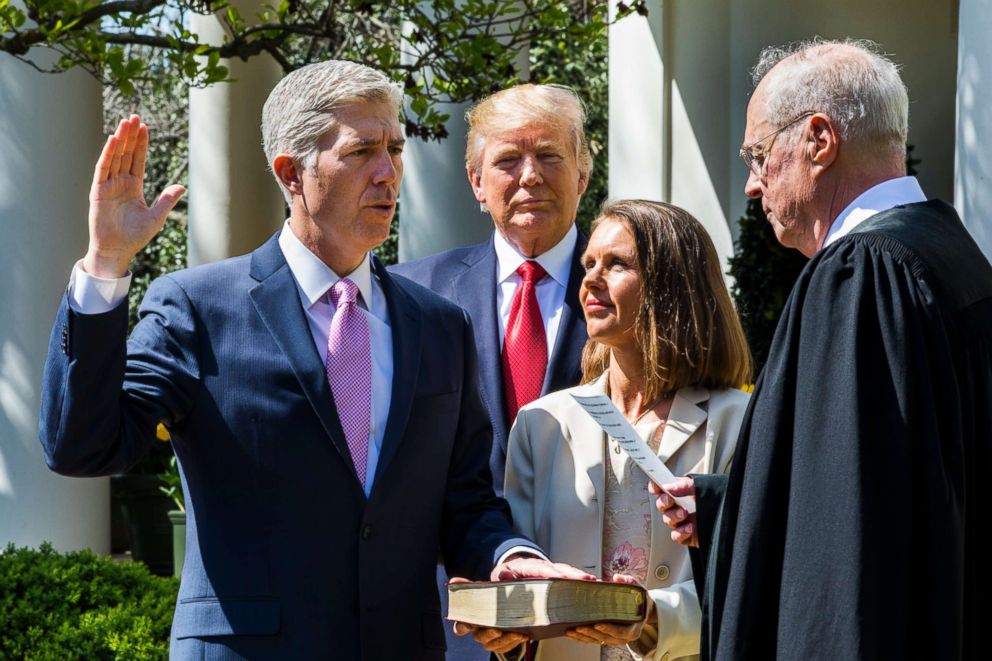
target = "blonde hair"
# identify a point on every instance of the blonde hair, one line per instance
(552, 106)
(687, 329)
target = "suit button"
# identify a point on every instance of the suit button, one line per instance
(661, 572)
(366, 532)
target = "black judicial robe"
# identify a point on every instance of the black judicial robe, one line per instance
(850, 526)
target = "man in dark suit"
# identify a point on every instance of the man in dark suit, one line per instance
(325, 414)
(849, 527)
(528, 164)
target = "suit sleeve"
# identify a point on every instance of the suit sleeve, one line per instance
(518, 485)
(478, 527)
(103, 396)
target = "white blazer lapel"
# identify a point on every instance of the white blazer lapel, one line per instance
(683, 420)
(587, 453)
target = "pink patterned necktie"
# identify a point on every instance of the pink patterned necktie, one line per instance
(349, 370)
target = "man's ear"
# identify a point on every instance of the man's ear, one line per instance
(823, 141)
(583, 183)
(475, 179)
(288, 171)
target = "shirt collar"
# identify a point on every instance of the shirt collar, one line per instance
(879, 198)
(314, 276)
(557, 262)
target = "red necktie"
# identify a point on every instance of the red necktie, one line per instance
(525, 346)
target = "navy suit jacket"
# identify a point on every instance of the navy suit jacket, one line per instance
(286, 558)
(467, 276)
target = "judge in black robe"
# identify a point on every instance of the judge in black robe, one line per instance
(850, 526)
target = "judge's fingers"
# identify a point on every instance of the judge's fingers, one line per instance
(131, 141)
(681, 486)
(674, 516)
(686, 535)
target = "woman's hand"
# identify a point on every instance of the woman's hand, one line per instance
(682, 523)
(606, 633)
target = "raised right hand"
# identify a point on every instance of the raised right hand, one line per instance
(120, 221)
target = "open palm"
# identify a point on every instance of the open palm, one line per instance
(120, 221)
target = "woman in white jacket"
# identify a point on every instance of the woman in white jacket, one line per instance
(667, 346)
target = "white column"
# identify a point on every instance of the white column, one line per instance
(669, 111)
(639, 106)
(234, 203)
(972, 157)
(50, 137)
(437, 208)
(679, 88)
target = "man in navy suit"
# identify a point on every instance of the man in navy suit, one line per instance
(528, 163)
(325, 414)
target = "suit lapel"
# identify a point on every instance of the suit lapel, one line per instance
(474, 290)
(564, 367)
(276, 299)
(588, 441)
(684, 419)
(406, 323)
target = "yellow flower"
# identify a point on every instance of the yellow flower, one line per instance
(748, 388)
(161, 433)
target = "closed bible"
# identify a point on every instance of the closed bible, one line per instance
(545, 608)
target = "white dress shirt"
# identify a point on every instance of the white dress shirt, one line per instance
(550, 291)
(91, 295)
(879, 198)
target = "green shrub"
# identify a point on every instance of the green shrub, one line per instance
(78, 605)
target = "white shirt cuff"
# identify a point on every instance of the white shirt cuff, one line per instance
(89, 294)
(528, 550)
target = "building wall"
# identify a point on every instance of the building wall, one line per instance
(973, 163)
(50, 137)
(688, 62)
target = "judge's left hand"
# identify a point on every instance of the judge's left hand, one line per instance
(516, 567)
(605, 633)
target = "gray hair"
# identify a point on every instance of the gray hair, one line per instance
(555, 106)
(850, 81)
(300, 109)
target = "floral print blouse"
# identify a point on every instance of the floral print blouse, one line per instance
(627, 518)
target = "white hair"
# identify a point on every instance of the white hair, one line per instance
(849, 81)
(300, 109)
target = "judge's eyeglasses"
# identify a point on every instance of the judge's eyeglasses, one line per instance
(756, 162)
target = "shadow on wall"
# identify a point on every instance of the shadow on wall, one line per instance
(973, 171)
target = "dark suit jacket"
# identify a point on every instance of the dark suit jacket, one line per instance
(285, 556)
(467, 276)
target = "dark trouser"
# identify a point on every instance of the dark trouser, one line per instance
(460, 648)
